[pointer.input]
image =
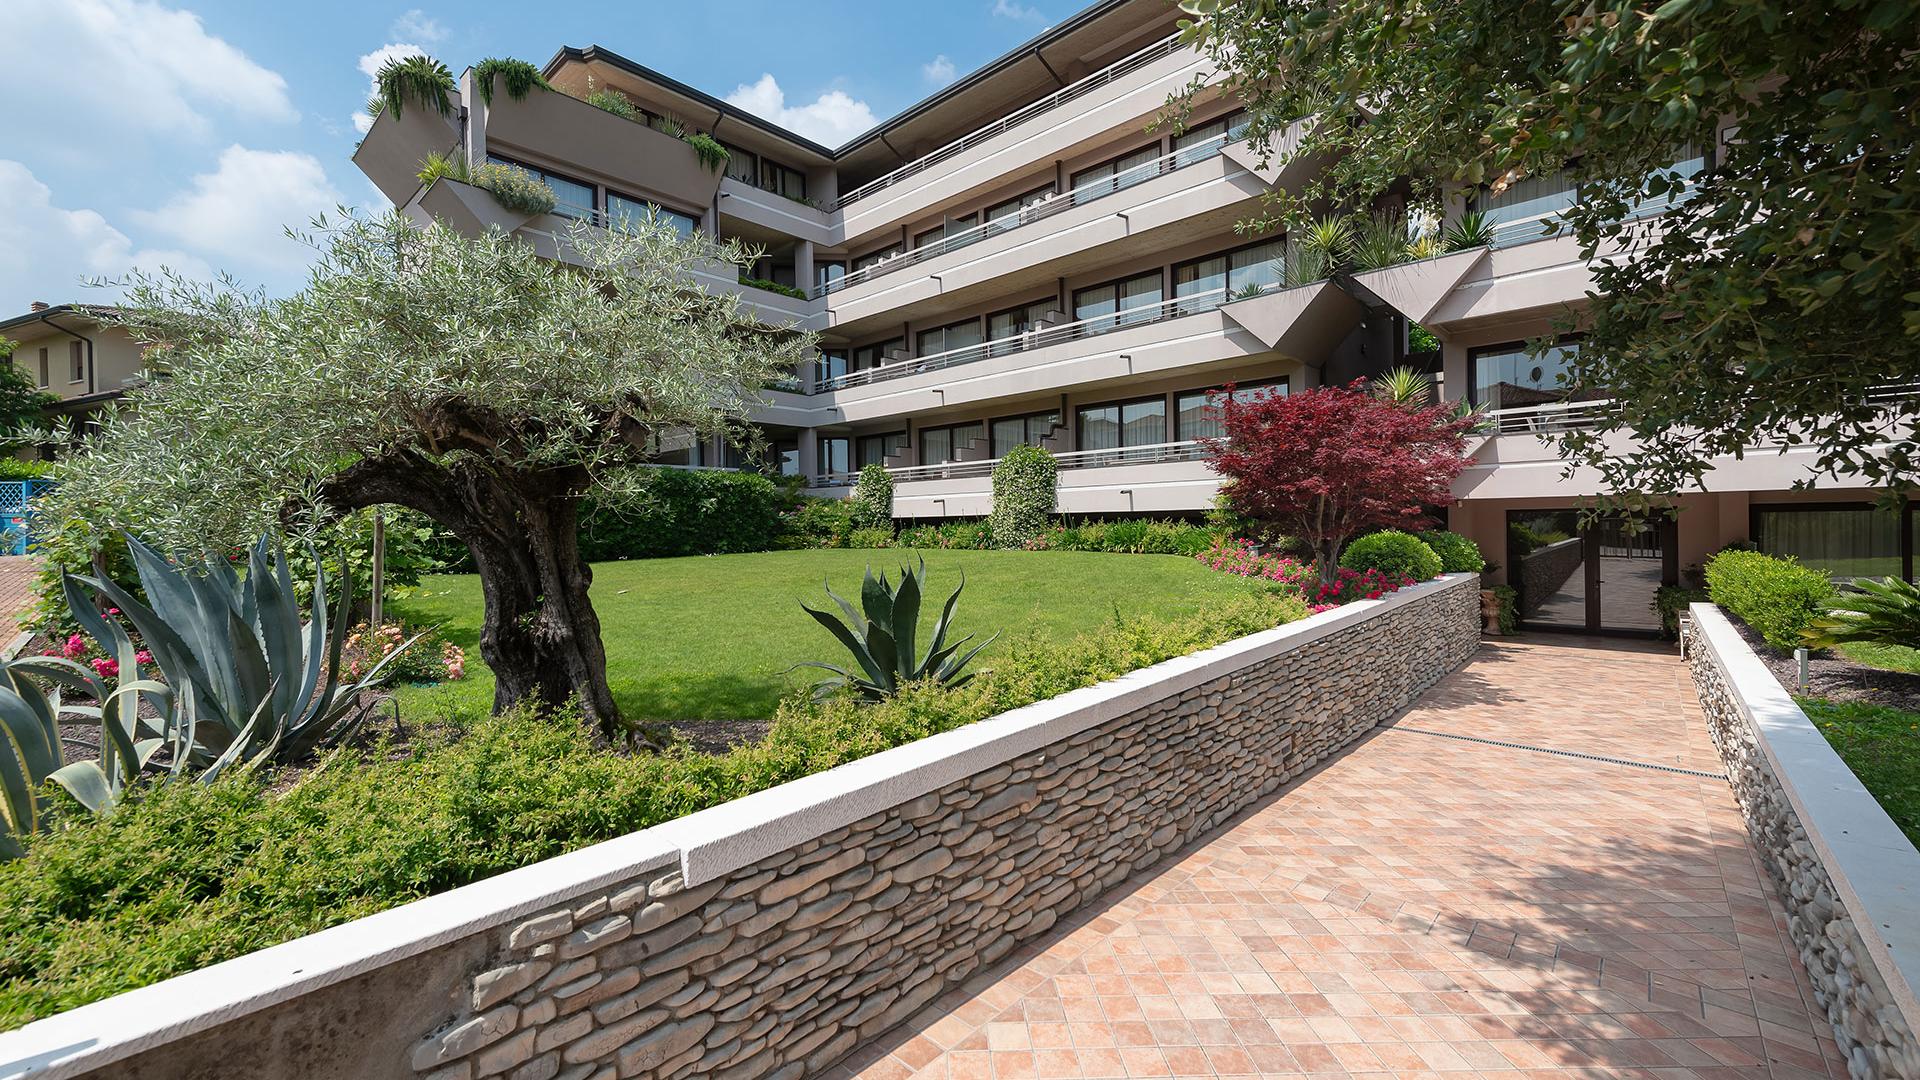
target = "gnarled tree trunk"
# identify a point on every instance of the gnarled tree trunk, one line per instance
(539, 634)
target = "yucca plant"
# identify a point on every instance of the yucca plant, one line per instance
(881, 636)
(1472, 230)
(1884, 612)
(252, 682)
(1380, 241)
(1332, 236)
(1403, 386)
(1303, 264)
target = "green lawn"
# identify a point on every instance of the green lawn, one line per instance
(712, 637)
(1889, 657)
(1882, 747)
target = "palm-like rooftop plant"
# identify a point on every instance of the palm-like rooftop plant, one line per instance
(881, 635)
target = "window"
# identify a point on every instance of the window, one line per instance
(782, 180)
(1846, 541)
(943, 444)
(1106, 178)
(742, 165)
(951, 227)
(1116, 299)
(1254, 267)
(831, 364)
(1029, 430)
(1194, 418)
(624, 212)
(946, 338)
(1509, 377)
(861, 262)
(1012, 207)
(876, 449)
(1530, 208)
(571, 198)
(46, 373)
(76, 362)
(1123, 423)
(1231, 124)
(826, 273)
(1006, 327)
(871, 356)
(835, 454)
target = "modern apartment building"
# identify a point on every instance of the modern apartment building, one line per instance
(1026, 257)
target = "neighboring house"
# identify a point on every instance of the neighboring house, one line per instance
(71, 354)
(1023, 258)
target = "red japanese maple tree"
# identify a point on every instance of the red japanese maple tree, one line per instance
(1330, 463)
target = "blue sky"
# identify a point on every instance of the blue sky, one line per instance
(186, 133)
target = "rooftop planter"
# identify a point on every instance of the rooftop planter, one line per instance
(1301, 322)
(391, 153)
(1417, 289)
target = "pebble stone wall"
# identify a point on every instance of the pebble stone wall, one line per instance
(1869, 1025)
(779, 968)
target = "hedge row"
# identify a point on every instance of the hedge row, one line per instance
(188, 875)
(1777, 597)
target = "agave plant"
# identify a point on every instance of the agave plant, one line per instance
(252, 682)
(881, 636)
(1472, 230)
(1885, 612)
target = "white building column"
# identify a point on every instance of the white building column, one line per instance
(473, 143)
(803, 266)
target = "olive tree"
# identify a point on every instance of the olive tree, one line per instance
(469, 379)
(1775, 305)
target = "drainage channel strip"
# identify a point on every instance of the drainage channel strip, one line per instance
(1557, 753)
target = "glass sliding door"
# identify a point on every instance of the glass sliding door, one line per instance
(1547, 565)
(1848, 542)
(1632, 560)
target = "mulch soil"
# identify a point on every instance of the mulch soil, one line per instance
(1836, 678)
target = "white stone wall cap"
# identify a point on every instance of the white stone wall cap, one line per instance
(113, 1029)
(1874, 867)
(721, 839)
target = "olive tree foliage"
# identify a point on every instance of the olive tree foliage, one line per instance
(1771, 307)
(466, 378)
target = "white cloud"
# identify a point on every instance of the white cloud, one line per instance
(1013, 9)
(238, 211)
(415, 25)
(124, 67)
(370, 66)
(51, 249)
(938, 71)
(830, 119)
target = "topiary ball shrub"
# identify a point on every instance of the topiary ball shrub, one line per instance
(873, 499)
(1777, 597)
(1393, 553)
(1025, 489)
(1458, 555)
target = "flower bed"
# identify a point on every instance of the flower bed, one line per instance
(1231, 556)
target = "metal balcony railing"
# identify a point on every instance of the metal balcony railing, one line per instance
(1032, 339)
(1553, 417)
(1040, 210)
(1152, 454)
(1095, 81)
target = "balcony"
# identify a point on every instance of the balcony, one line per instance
(1040, 211)
(1175, 308)
(1164, 477)
(1552, 418)
(1104, 77)
(565, 130)
(1112, 99)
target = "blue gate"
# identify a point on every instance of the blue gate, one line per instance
(16, 513)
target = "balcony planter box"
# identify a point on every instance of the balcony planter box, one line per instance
(548, 124)
(391, 153)
(465, 208)
(1302, 322)
(1417, 289)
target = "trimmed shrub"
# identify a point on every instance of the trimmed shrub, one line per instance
(870, 538)
(683, 512)
(1025, 490)
(1394, 553)
(816, 523)
(86, 915)
(973, 535)
(1777, 597)
(13, 468)
(1134, 536)
(1458, 555)
(1668, 602)
(873, 499)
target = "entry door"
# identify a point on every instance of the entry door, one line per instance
(1599, 578)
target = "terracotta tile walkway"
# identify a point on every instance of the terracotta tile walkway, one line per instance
(1426, 906)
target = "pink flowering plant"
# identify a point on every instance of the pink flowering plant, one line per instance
(1233, 556)
(431, 659)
